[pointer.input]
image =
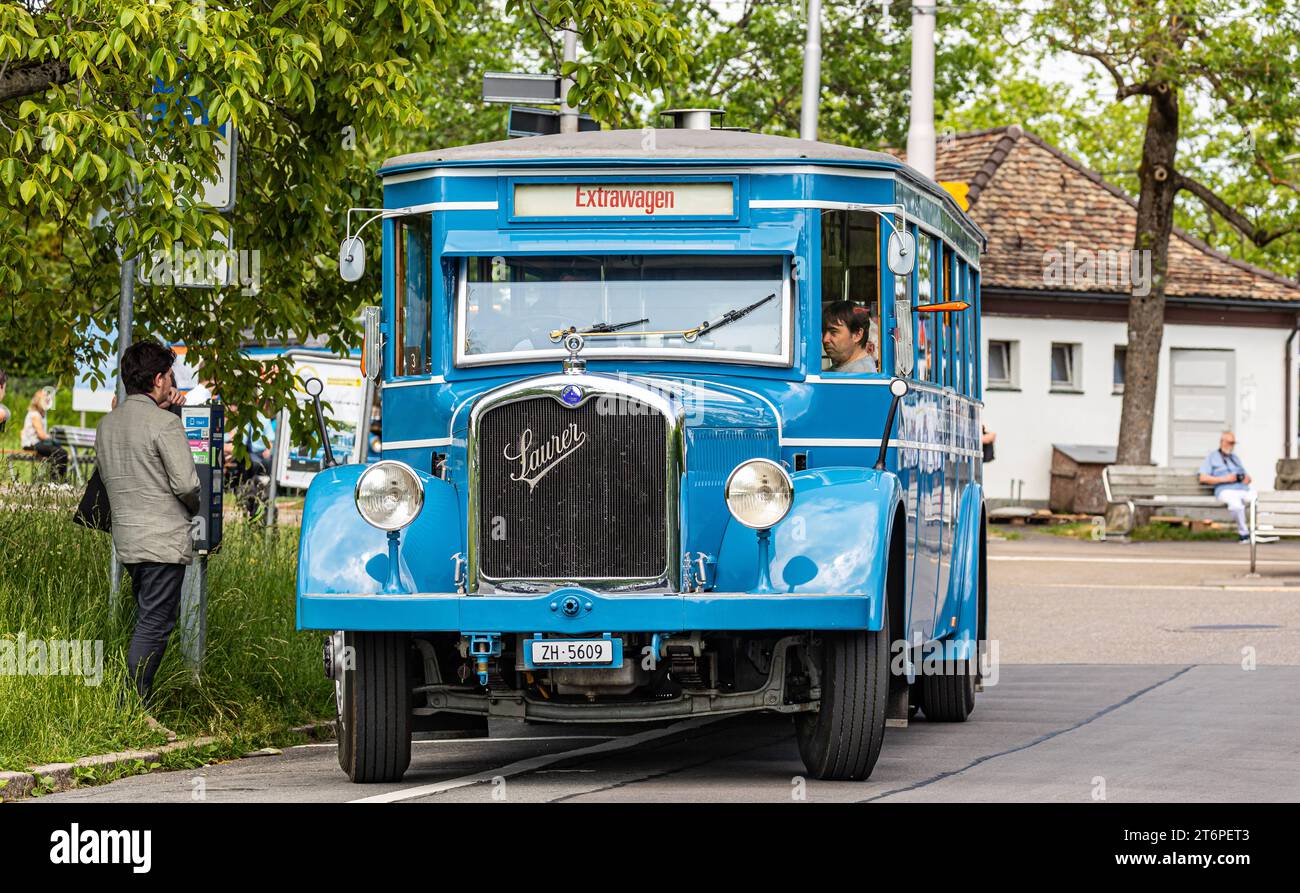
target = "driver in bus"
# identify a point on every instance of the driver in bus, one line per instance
(846, 330)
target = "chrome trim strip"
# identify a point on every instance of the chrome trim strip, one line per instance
(595, 385)
(415, 444)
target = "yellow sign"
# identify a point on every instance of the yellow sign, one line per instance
(958, 191)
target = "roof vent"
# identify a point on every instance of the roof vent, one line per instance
(692, 119)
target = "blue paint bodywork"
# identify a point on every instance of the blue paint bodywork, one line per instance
(828, 556)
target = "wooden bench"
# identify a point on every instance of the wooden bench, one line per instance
(78, 442)
(1153, 486)
(1273, 514)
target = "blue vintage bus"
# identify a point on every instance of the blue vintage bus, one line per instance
(677, 422)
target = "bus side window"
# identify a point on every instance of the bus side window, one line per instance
(413, 260)
(850, 276)
(925, 334)
(904, 351)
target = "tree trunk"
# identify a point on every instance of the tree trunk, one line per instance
(31, 79)
(1146, 313)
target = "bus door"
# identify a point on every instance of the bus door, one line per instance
(930, 452)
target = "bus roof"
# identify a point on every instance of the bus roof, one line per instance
(668, 145)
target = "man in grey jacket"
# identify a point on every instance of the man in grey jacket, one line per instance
(153, 490)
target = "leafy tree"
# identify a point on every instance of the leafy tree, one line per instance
(320, 92)
(1223, 72)
(752, 65)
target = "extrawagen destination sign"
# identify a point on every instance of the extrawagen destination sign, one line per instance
(702, 199)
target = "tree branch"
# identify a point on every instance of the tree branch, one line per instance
(1240, 222)
(31, 79)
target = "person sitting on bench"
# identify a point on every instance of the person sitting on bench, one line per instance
(1224, 470)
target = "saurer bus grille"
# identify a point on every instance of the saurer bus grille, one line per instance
(572, 494)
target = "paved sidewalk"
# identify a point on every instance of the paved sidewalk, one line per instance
(1060, 600)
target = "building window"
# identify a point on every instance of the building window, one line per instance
(1065, 367)
(1001, 368)
(1121, 356)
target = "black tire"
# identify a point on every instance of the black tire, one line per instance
(950, 697)
(374, 708)
(841, 741)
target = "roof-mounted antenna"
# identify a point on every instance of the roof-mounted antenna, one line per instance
(693, 119)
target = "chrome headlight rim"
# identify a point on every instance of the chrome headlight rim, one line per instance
(417, 491)
(785, 476)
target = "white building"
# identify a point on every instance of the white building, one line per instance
(1055, 290)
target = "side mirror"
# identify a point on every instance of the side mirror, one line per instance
(902, 253)
(371, 345)
(352, 259)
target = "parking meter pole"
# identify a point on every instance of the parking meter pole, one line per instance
(194, 613)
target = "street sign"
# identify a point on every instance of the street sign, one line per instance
(525, 121)
(500, 86)
(219, 194)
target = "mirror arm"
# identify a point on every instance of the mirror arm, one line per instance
(889, 427)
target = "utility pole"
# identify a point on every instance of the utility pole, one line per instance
(812, 72)
(568, 114)
(920, 132)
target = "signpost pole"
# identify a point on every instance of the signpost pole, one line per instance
(125, 313)
(194, 613)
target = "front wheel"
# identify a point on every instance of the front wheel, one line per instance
(373, 700)
(841, 741)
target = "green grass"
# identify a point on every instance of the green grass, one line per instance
(260, 676)
(1144, 533)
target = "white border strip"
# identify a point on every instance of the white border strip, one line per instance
(436, 379)
(387, 445)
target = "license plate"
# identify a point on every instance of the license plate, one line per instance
(572, 652)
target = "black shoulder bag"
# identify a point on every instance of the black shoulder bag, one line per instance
(93, 511)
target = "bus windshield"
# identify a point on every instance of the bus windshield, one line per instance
(721, 307)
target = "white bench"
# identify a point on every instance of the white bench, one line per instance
(77, 441)
(1273, 514)
(1156, 487)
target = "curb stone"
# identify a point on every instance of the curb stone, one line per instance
(21, 785)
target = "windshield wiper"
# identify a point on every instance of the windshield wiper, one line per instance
(688, 335)
(599, 328)
(729, 316)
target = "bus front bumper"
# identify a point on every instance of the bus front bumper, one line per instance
(580, 611)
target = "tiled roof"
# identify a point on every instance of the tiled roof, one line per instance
(1032, 198)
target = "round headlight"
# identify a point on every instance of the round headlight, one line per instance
(389, 495)
(759, 493)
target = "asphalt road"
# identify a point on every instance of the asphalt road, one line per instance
(1133, 672)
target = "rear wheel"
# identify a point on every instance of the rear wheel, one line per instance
(949, 697)
(842, 740)
(373, 699)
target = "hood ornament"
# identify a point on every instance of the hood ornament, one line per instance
(574, 364)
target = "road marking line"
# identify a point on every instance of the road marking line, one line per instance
(482, 740)
(1154, 586)
(532, 764)
(1224, 561)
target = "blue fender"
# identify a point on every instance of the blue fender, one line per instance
(962, 599)
(338, 552)
(834, 541)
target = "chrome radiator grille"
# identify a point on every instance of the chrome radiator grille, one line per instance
(572, 494)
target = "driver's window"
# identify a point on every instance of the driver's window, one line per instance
(413, 263)
(850, 274)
